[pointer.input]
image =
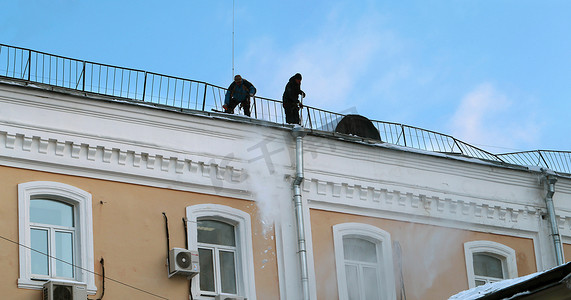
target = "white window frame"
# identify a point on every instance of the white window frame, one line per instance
(384, 245)
(51, 231)
(506, 254)
(244, 250)
(83, 241)
(216, 249)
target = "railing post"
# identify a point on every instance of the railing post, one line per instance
(204, 98)
(457, 145)
(403, 134)
(144, 86)
(83, 83)
(29, 64)
(255, 110)
(543, 159)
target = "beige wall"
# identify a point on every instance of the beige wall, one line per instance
(432, 257)
(567, 252)
(129, 233)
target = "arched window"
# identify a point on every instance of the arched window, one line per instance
(223, 238)
(489, 262)
(363, 258)
(56, 234)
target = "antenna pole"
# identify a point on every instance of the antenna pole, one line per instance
(232, 38)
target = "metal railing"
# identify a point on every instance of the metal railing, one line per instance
(400, 134)
(148, 87)
(559, 161)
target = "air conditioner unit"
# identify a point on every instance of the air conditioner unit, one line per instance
(229, 297)
(64, 290)
(183, 262)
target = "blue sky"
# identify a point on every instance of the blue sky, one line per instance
(495, 74)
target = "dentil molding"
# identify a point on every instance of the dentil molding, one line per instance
(170, 169)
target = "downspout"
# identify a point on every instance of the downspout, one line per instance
(298, 133)
(549, 180)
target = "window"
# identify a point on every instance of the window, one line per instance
(489, 262)
(52, 231)
(223, 238)
(364, 263)
(56, 234)
(217, 253)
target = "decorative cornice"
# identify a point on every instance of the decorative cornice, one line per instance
(414, 206)
(176, 170)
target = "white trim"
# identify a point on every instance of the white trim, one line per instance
(505, 253)
(242, 221)
(81, 200)
(368, 232)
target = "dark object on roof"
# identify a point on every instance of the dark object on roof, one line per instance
(359, 126)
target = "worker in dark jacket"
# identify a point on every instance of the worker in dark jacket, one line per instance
(239, 92)
(290, 99)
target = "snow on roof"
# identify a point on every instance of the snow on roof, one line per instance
(488, 288)
(516, 287)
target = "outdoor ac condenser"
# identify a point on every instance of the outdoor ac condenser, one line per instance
(64, 290)
(229, 297)
(183, 262)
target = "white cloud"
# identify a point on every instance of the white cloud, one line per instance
(489, 119)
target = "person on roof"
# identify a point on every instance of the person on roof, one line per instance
(291, 103)
(239, 92)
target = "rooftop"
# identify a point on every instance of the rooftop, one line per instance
(148, 88)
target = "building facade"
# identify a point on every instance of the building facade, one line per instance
(97, 190)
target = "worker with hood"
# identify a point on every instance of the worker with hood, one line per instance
(291, 103)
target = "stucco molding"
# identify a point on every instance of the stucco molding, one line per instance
(119, 162)
(429, 204)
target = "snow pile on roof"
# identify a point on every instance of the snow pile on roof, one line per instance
(489, 288)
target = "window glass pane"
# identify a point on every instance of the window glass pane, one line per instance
(352, 275)
(227, 272)
(357, 249)
(216, 232)
(206, 270)
(39, 243)
(371, 283)
(487, 265)
(64, 254)
(51, 212)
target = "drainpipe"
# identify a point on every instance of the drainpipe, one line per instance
(298, 133)
(549, 180)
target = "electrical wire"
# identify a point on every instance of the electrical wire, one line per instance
(83, 269)
(168, 242)
(102, 262)
(185, 223)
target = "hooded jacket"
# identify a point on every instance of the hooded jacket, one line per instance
(291, 93)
